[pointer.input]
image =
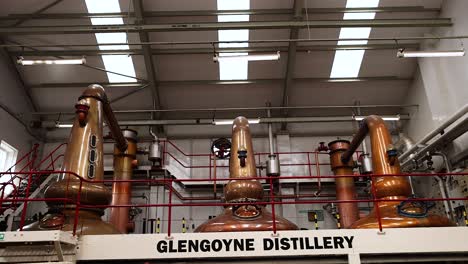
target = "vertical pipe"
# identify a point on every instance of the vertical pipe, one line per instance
(345, 189)
(124, 161)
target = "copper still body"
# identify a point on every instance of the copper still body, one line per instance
(124, 162)
(345, 189)
(242, 165)
(84, 157)
(393, 214)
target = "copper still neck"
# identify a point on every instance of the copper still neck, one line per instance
(124, 161)
(84, 157)
(345, 189)
(238, 190)
(385, 162)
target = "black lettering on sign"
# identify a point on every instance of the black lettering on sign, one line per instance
(216, 245)
(227, 244)
(161, 246)
(182, 246)
(349, 240)
(268, 244)
(338, 242)
(205, 245)
(249, 244)
(316, 243)
(238, 245)
(193, 246)
(285, 243)
(327, 242)
(171, 247)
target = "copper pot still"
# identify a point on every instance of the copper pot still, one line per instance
(393, 214)
(83, 156)
(249, 217)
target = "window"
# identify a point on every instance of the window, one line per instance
(117, 63)
(233, 69)
(347, 63)
(8, 155)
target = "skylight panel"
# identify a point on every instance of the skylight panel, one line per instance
(117, 63)
(347, 63)
(233, 69)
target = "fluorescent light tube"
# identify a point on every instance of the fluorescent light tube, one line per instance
(251, 57)
(385, 118)
(60, 125)
(430, 54)
(52, 62)
(230, 121)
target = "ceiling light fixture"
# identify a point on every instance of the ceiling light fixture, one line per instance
(60, 125)
(385, 118)
(230, 121)
(81, 61)
(430, 54)
(249, 57)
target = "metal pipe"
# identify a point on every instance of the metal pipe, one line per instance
(385, 163)
(236, 109)
(178, 51)
(169, 43)
(113, 125)
(252, 12)
(262, 120)
(209, 26)
(446, 138)
(435, 132)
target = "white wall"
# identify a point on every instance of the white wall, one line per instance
(440, 84)
(13, 97)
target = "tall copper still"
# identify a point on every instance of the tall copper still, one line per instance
(345, 189)
(393, 214)
(242, 165)
(83, 156)
(124, 162)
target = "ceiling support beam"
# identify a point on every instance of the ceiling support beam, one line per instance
(252, 12)
(220, 82)
(291, 63)
(252, 25)
(149, 63)
(175, 51)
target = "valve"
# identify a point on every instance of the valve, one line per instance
(322, 147)
(242, 155)
(221, 148)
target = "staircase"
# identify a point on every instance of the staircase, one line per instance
(26, 183)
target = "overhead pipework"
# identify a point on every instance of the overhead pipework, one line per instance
(84, 157)
(387, 186)
(244, 217)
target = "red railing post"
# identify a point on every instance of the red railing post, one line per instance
(77, 206)
(376, 203)
(169, 209)
(272, 202)
(25, 208)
